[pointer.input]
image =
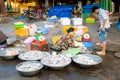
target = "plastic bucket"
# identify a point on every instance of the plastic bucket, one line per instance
(88, 45)
(118, 27)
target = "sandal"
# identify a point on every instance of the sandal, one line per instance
(100, 53)
(99, 44)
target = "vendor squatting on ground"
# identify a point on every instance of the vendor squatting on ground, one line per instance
(65, 41)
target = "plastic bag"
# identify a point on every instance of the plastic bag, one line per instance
(29, 40)
(79, 32)
(11, 40)
(32, 29)
(3, 46)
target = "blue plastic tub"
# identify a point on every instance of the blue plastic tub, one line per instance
(52, 20)
(118, 25)
(88, 45)
(88, 7)
(44, 30)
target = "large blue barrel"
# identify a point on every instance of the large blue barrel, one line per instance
(118, 25)
(88, 45)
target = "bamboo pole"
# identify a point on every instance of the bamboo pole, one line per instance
(53, 3)
(15, 6)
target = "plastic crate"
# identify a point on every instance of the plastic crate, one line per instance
(85, 29)
(90, 20)
(55, 38)
(19, 25)
(22, 32)
(85, 15)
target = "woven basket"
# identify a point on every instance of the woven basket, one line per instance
(55, 38)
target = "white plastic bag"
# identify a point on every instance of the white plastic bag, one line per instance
(29, 40)
(32, 29)
(11, 40)
(79, 32)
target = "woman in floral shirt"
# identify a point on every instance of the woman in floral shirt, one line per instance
(65, 41)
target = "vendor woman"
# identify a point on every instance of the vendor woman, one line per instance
(65, 41)
(3, 38)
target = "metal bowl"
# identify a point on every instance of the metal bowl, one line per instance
(86, 51)
(3, 53)
(53, 66)
(58, 67)
(9, 57)
(87, 60)
(32, 55)
(26, 66)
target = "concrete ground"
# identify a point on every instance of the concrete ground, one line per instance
(113, 39)
(109, 69)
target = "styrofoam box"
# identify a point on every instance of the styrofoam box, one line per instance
(65, 21)
(77, 21)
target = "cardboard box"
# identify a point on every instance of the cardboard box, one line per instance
(22, 32)
(44, 47)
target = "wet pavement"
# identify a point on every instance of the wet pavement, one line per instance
(109, 69)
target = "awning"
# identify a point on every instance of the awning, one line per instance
(107, 5)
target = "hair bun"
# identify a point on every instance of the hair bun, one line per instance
(70, 30)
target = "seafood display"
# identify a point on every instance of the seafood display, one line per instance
(31, 55)
(87, 59)
(56, 60)
(29, 66)
(10, 51)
